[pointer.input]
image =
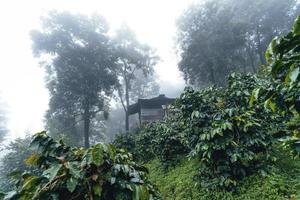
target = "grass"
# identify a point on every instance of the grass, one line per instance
(180, 182)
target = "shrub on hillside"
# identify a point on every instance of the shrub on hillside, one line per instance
(99, 172)
(158, 139)
(231, 139)
(283, 56)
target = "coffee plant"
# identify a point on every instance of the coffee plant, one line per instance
(231, 139)
(162, 140)
(169, 144)
(283, 97)
(100, 172)
(139, 143)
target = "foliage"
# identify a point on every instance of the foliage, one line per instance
(140, 142)
(231, 140)
(99, 172)
(126, 141)
(12, 163)
(180, 182)
(283, 56)
(155, 140)
(217, 125)
(217, 38)
(79, 60)
(169, 143)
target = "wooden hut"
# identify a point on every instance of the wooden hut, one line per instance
(150, 110)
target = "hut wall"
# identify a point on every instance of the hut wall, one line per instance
(153, 114)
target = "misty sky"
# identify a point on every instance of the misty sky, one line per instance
(21, 78)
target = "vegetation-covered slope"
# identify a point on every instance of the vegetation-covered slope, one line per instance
(282, 182)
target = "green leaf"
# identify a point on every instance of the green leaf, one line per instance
(97, 190)
(30, 184)
(254, 96)
(140, 193)
(271, 50)
(112, 151)
(296, 26)
(74, 169)
(71, 184)
(233, 158)
(195, 114)
(270, 104)
(97, 154)
(52, 171)
(294, 75)
(32, 160)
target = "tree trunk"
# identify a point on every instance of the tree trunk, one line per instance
(212, 75)
(251, 58)
(126, 121)
(86, 119)
(260, 49)
(127, 106)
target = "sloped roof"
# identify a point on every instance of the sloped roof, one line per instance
(155, 102)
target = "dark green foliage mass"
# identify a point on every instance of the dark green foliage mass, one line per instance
(99, 172)
(140, 142)
(231, 140)
(215, 125)
(283, 97)
(155, 140)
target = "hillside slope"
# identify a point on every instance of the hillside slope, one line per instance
(179, 183)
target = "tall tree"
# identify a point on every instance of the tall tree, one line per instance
(220, 36)
(80, 71)
(210, 43)
(135, 62)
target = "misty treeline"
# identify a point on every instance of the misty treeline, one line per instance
(86, 67)
(216, 38)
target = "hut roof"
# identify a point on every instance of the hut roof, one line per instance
(155, 102)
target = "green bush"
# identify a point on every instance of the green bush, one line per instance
(160, 140)
(99, 172)
(169, 144)
(232, 140)
(139, 143)
(283, 97)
